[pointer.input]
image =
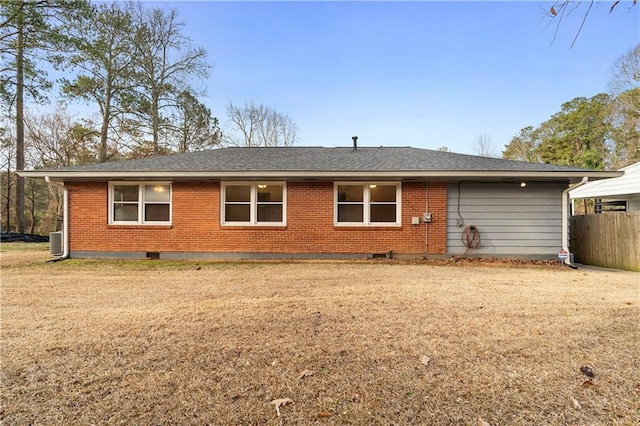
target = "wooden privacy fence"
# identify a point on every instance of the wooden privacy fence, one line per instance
(611, 240)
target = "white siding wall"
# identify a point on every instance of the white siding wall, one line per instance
(512, 221)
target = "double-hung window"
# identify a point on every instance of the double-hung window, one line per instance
(146, 203)
(370, 204)
(260, 203)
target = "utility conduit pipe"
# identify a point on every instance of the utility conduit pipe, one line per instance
(65, 217)
(565, 219)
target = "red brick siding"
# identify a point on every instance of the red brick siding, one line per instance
(310, 229)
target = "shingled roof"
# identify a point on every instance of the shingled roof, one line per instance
(316, 162)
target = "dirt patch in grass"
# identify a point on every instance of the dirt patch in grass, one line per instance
(93, 342)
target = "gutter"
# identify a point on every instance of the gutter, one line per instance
(65, 217)
(316, 174)
(565, 220)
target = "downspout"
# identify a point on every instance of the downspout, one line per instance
(65, 217)
(565, 220)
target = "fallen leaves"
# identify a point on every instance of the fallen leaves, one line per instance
(576, 404)
(305, 373)
(588, 384)
(280, 403)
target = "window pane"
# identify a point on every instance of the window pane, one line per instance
(350, 213)
(272, 193)
(383, 213)
(125, 193)
(125, 212)
(156, 212)
(238, 193)
(157, 193)
(351, 193)
(269, 212)
(383, 193)
(237, 212)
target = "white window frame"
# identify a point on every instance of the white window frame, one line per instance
(141, 203)
(366, 201)
(253, 204)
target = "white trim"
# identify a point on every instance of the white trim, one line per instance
(307, 174)
(623, 186)
(140, 202)
(253, 203)
(366, 204)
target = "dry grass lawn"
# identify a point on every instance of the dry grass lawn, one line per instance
(369, 342)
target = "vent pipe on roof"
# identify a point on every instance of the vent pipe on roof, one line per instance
(355, 142)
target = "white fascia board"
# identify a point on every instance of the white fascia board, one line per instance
(331, 175)
(608, 188)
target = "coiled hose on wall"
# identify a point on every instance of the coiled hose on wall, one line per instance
(470, 238)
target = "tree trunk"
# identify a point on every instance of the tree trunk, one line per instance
(155, 124)
(20, 119)
(104, 128)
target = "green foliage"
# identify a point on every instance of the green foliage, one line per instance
(598, 132)
(43, 26)
(523, 147)
(194, 128)
(587, 132)
(103, 57)
(576, 136)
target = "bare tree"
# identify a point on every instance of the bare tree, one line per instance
(55, 139)
(7, 177)
(166, 65)
(254, 125)
(563, 9)
(484, 146)
(625, 109)
(625, 71)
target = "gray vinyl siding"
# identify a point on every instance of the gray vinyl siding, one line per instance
(512, 221)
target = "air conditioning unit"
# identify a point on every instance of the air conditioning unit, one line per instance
(56, 243)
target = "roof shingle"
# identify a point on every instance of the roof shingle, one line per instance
(317, 159)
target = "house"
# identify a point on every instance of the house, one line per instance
(314, 202)
(620, 193)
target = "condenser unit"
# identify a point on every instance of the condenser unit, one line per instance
(56, 244)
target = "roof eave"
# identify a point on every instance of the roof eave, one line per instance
(571, 176)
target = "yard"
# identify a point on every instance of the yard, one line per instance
(363, 342)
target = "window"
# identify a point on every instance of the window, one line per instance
(367, 204)
(260, 203)
(146, 203)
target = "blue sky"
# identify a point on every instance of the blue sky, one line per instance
(423, 74)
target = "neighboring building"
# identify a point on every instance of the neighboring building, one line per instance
(619, 193)
(304, 202)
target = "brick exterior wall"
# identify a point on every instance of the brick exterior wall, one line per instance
(310, 230)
